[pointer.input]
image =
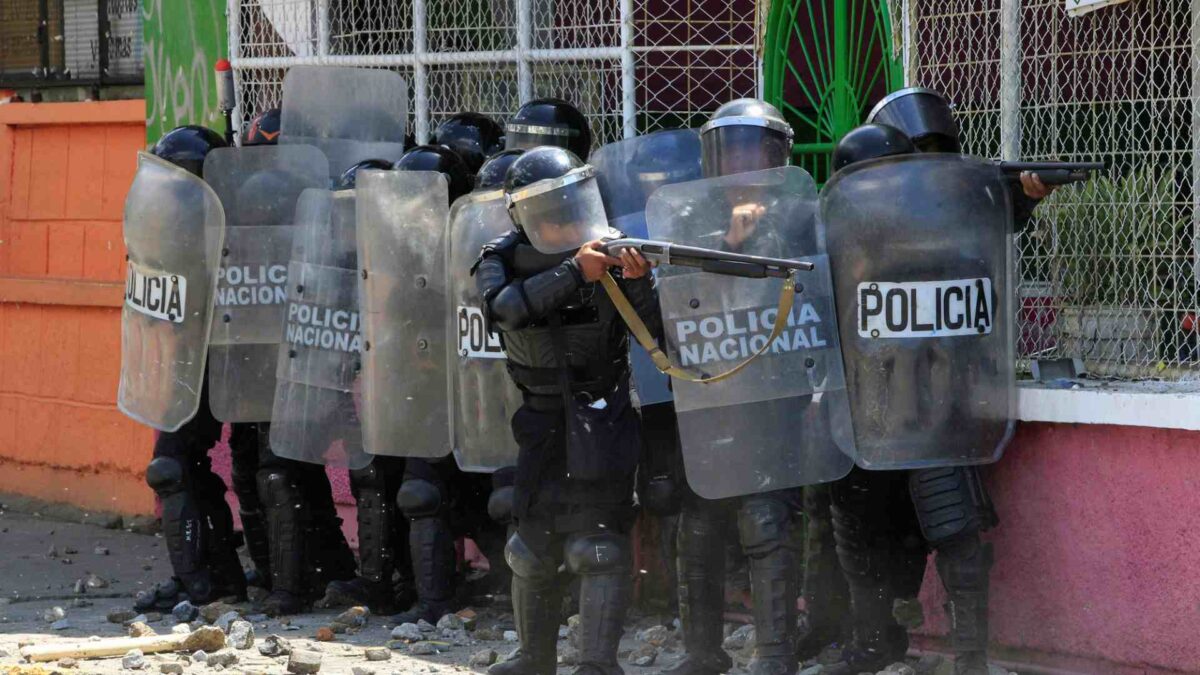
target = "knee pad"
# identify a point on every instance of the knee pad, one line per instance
(276, 488)
(965, 562)
(419, 498)
(763, 525)
(950, 502)
(165, 475)
(369, 476)
(598, 553)
(526, 564)
(500, 504)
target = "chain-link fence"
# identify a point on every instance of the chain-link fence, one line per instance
(1107, 269)
(631, 65)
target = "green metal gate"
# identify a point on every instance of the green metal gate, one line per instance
(825, 63)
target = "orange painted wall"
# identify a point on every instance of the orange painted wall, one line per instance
(64, 172)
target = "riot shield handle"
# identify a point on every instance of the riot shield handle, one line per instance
(787, 298)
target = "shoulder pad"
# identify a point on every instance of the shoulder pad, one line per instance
(498, 246)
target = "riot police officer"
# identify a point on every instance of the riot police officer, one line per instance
(473, 136)
(882, 540)
(435, 493)
(577, 430)
(196, 521)
(744, 135)
(549, 121)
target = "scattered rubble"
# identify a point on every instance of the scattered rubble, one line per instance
(185, 611)
(181, 629)
(241, 635)
(304, 662)
(226, 620)
(274, 645)
(643, 656)
(214, 610)
(171, 668)
(377, 654)
(324, 634)
(451, 622)
(353, 618)
(425, 627)
(407, 632)
(139, 629)
(67, 663)
(61, 624)
(223, 658)
(133, 660)
(423, 649)
(200, 656)
(54, 614)
(511, 636)
(742, 638)
(121, 615)
(93, 581)
(482, 658)
(655, 635)
(568, 655)
(359, 670)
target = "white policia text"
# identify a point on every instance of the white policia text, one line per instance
(474, 340)
(918, 309)
(162, 296)
(738, 334)
(323, 327)
(243, 285)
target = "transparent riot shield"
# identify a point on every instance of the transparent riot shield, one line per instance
(401, 247)
(784, 421)
(629, 171)
(351, 114)
(173, 231)
(921, 248)
(315, 417)
(483, 397)
(258, 187)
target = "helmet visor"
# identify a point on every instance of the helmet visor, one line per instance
(563, 217)
(733, 149)
(528, 136)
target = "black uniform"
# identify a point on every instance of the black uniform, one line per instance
(579, 443)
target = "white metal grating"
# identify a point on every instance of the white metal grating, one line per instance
(1108, 269)
(631, 65)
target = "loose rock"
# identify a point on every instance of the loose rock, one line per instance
(457, 637)
(54, 614)
(451, 622)
(214, 610)
(355, 617)
(655, 635)
(68, 663)
(511, 636)
(223, 658)
(275, 646)
(482, 658)
(304, 662)
(79, 588)
(359, 670)
(100, 550)
(181, 629)
(133, 660)
(185, 611)
(573, 630)
(153, 617)
(741, 638)
(171, 668)
(61, 624)
(200, 656)
(226, 620)
(241, 635)
(408, 632)
(425, 627)
(121, 615)
(324, 634)
(80, 602)
(93, 581)
(813, 670)
(488, 634)
(377, 654)
(423, 649)
(139, 629)
(900, 668)
(469, 617)
(643, 656)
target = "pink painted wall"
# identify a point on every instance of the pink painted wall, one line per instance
(1098, 550)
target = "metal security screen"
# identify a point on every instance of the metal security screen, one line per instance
(631, 65)
(1108, 269)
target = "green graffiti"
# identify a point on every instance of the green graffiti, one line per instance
(182, 44)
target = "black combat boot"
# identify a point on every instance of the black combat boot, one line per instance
(765, 529)
(964, 564)
(373, 586)
(434, 563)
(286, 530)
(603, 600)
(826, 596)
(701, 565)
(536, 604)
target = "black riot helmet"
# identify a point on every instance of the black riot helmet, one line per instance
(549, 121)
(491, 174)
(924, 115)
(554, 199)
(442, 160)
(187, 146)
(473, 136)
(263, 129)
(349, 177)
(743, 135)
(870, 141)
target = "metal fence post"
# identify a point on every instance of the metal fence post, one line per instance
(1010, 79)
(420, 79)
